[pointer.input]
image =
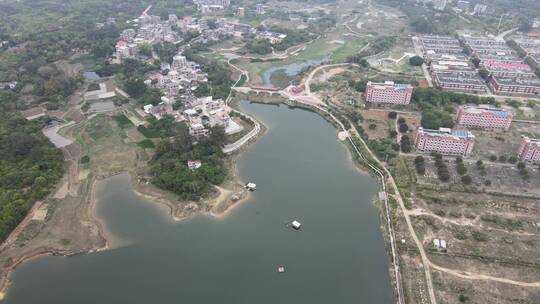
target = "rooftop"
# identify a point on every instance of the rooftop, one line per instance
(447, 132)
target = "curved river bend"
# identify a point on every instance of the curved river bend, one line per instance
(302, 173)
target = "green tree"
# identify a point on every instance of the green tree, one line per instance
(416, 61)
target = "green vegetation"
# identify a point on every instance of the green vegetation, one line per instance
(259, 46)
(148, 133)
(85, 159)
(436, 105)
(169, 166)
(146, 144)
(219, 77)
(416, 61)
(420, 165)
(30, 167)
(122, 121)
(442, 169)
(165, 127)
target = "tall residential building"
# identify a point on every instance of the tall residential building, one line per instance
(444, 141)
(241, 12)
(484, 116)
(388, 92)
(529, 150)
(259, 8)
(179, 62)
(479, 9)
(439, 4)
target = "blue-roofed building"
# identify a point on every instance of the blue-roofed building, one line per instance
(484, 117)
(445, 141)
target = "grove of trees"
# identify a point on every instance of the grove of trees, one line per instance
(30, 167)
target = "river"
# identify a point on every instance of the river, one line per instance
(302, 173)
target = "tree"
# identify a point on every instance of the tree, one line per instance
(483, 73)
(487, 182)
(416, 61)
(502, 158)
(513, 159)
(479, 163)
(493, 158)
(466, 179)
(521, 165)
(405, 144)
(145, 50)
(392, 133)
(476, 62)
(392, 115)
(372, 126)
(403, 128)
(419, 163)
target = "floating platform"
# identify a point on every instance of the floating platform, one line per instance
(251, 186)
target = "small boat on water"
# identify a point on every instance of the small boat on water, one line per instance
(251, 186)
(296, 225)
(281, 269)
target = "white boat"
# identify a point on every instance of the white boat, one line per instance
(281, 269)
(296, 225)
(251, 186)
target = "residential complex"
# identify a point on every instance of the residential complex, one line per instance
(449, 67)
(508, 73)
(388, 92)
(445, 141)
(529, 150)
(207, 6)
(484, 117)
(530, 48)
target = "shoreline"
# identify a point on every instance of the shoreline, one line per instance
(221, 199)
(157, 196)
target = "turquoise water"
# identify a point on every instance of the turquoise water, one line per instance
(302, 173)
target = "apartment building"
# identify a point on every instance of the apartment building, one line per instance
(515, 86)
(445, 141)
(484, 117)
(529, 150)
(388, 92)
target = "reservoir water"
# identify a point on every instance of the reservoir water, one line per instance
(302, 173)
